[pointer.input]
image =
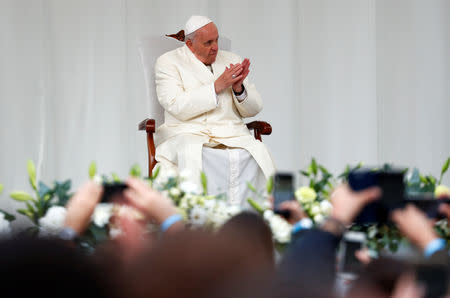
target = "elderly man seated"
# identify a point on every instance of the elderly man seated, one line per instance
(206, 94)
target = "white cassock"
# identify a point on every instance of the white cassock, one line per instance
(196, 119)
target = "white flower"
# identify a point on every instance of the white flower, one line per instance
(305, 194)
(5, 227)
(441, 191)
(163, 177)
(189, 187)
(53, 221)
(198, 216)
(97, 179)
(233, 210)
(281, 229)
(209, 205)
(326, 207)
(102, 214)
(268, 214)
(114, 232)
(318, 218)
(315, 210)
(174, 192)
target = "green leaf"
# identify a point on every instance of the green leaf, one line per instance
(44, 190)
(20, 196)
(26, 213)
(115, 177)
(1, 188)
(251, 187)
(314, 166)
(156, 173)
(204, 181)
(92, 170)
(324, 170)
(269, 185)
(304, 173)
(32, 173)
(255, 206)
(444, 170)
(8, 216)
(445, 166)
(135, 171)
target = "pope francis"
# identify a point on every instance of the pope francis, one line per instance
(206, 94)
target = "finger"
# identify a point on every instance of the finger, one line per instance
(236, 79)
(237, 71)
(138, 185)
(369, 194)
(445, 210)
(134, 199)
(236, 66)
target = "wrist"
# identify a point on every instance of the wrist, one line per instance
(238, 90)
(334, 226)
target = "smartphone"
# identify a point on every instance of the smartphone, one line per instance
(111, 190)
(349, 266)
(393, 193)
(429, 206)
(283, 190)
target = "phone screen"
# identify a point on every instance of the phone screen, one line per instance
(283, 188)
(351, 263)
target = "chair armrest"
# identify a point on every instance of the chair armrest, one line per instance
(260, 128)
(149, 126)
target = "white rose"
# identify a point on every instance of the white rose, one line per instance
(441, 191)
(102, 214)
(326, 207)
(315, 209)
(198, 216)
(318, 218)
(281, 229)
(268, 214)
(53, 221)
(114, 232)
(5, 227)
(189, 187)
(305, 194)
(174, 192)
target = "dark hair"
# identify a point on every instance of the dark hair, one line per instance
(190, 264)
(33, 267)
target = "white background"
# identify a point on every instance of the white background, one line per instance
(343, 81)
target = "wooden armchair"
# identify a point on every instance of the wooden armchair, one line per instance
(259, 128)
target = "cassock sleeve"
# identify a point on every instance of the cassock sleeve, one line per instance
(182, 104)
(252, 104)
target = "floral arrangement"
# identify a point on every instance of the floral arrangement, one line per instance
(45, 206)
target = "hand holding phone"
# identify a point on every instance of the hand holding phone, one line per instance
(283, 191)
(111, 190)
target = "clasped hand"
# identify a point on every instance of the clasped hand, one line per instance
(233, 76)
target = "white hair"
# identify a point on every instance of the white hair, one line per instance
(190, 36)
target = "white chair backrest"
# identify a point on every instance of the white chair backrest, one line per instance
(150, 48)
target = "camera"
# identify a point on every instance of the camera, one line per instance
(283, 190)
(112, 190)
(393, 195)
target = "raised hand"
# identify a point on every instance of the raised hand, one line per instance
(237, 87)
(415, 225)
(228, 78)
(81, 206)
(150, 202)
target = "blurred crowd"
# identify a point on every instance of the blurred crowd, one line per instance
(238, 260)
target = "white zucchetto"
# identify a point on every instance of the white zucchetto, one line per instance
(194, 23)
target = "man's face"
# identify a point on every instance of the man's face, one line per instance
(205, 44)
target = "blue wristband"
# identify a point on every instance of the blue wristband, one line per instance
(168, 222)
(302, 224)
(433, 246)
